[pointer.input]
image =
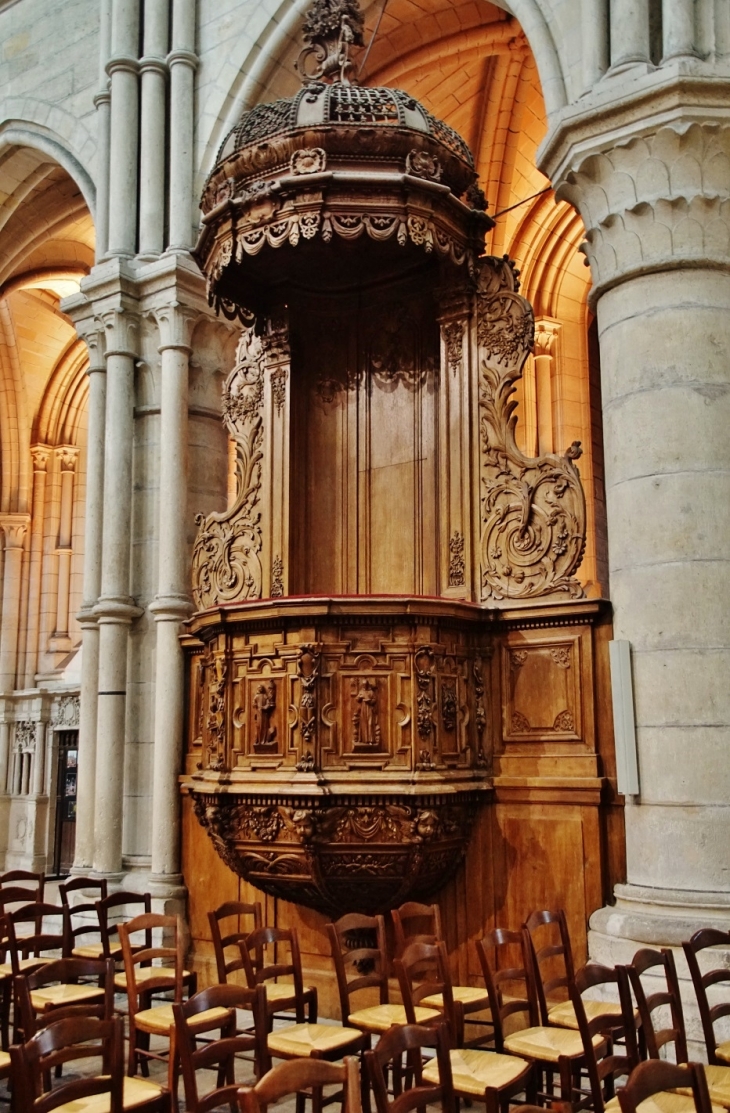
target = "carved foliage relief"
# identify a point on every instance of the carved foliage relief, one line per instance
(226, 556)
(532, 510)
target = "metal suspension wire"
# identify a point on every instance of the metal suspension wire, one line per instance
(372, 37)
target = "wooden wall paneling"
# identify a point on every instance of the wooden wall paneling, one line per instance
(209, 883)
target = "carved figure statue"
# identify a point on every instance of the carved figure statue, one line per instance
(264, 705)
(365, 719)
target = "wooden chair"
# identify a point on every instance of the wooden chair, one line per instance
(29, 950)
(360, 955)
(656, 1079)
(289, 996)
(56, 985)
(410, 1039)
(303, 1074)
(553, 1050)
(215, 1009)
(26, 879)
(152, 970)
(416, 923)
(422, 974)
(37, 1009)
(13, 963)
(552, 963)
(602, 1064)
(652, 1039)
(86, 909)
(235, 939)
(109, 929)
(71, 1040)
(484, 1075)
(717, 1053)
(407, 920)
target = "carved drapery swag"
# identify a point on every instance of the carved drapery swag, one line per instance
(533, 512)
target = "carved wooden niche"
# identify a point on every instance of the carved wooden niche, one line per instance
(541, 684)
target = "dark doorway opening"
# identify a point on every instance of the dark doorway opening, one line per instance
(65, 841)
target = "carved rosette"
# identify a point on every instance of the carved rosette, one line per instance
(533, 510)
(343, 854)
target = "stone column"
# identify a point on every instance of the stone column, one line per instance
(629, 33)
(40, 454)
(678, 29)
(102, 102)
(14, 527)
(594, 27)
(545, 333)
(182, 61)
(659, 251)
(39, 759)
(115, 609)
(123, 68)
(172, 603)
(153, 69)
(86, 775)
(67, 457)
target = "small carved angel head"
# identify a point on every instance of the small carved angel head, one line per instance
(426, 825)
(303, 824)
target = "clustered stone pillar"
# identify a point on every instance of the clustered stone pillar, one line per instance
(660, 258)
(629, 32)
(115, 609)
(153, 68)
(14, 527)
(67, 457)
(102, 103)
(85, 788)
(182, 61)
(123, 69)
(172, 603)
(40, 455)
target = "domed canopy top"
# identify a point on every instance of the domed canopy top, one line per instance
(341, 104)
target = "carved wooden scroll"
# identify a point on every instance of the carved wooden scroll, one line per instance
(533, 514)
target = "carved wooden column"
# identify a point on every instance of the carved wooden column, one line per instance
(14, 527)
(455, 445)
(40, 454)
(546, 332)
(275, 479)
(67, 457)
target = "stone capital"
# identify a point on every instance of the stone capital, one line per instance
(121, 330)
(67, 456)
(649, 174)
(14, 526)
(546, 331)
(176, 323)
(40, 455)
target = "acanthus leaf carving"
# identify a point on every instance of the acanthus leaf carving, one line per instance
(533, 510)
(226, 564)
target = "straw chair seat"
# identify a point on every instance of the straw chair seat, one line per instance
(55, 995)
(663, 1102)
(137, 1091)
(474, 1070)
(718, 1084)
(96, 950)
(144, 973)
(467, 994)
(302, 1039)
(160, 1019)
(564, 1016)
(547, 1044)
(379, 1018)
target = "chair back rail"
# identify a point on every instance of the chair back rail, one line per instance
(64, 971)
(409, 1040)
(501, 1004)
(603, 1064)
(303, 1074)
(422, 971)
(547, 981)
(655, 1076)
(109, 905)
(655, 1038)
(358, 943)
(425, 916)
(67, 1041)
(709, 1014)
(234, 939)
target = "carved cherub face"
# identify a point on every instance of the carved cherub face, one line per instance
(426, 825)
(304, 824)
